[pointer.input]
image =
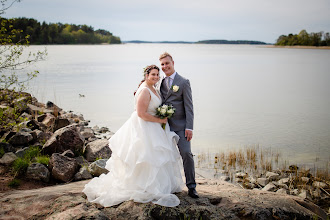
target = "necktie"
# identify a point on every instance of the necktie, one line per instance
(167, 80)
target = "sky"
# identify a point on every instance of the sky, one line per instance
(184, 20)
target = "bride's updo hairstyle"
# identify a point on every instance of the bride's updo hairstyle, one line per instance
(146, 72)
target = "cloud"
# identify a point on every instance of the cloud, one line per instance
(263, 20)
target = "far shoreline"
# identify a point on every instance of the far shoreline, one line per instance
(298, 47)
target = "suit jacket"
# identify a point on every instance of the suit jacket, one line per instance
(181, 100)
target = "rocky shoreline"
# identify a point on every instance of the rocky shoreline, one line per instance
(75, 152)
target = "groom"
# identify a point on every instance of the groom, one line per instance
(176, 90)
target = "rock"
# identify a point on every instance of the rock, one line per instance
(40, 118)
(104, 130)
(251, 180)
(21, 152)
(61, 123)
(35, 110)
(8, 158)
(27, 130)
(305, 179)
(68, 153)
(221, 201)
(240, 175)
(38, 171)
(87, 133)
(7, 135)
(82, 174)
(63, 168)
(97, 149)
(67, 138)
(317, 184)
(32, 124)
(271, 176)
(7, 147)
(270, 187)
(293, 167)
(42, 136)
(26, 115)
(284, 181)
(317, 193)
(282, 191)
(49, 120)
(305, 195)
(224, 178)
(98, 167)
(262, 181)
(20, 138)
(82, 161)
(294, 192)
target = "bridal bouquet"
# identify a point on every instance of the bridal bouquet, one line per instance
(164, 111)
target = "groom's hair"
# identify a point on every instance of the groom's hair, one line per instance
(165, 54)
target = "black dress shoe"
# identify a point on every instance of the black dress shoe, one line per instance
(193, 193)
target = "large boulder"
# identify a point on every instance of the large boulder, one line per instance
(221, 200)
(20, 138)
(67, 138)
(38, 171)
(8, 158)
(98, 167)
(63, 168)
(97, 149)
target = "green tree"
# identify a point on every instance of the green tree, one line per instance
(12, 56)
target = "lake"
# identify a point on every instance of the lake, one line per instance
(243, 95)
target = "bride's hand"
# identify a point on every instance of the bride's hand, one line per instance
(163, 121)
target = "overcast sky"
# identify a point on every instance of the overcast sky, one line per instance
(174, 20)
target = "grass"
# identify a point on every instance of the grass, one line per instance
(43, 160)
(14, 183)
(2, 151)
(255, 160)
(20, 165)
(32, 155)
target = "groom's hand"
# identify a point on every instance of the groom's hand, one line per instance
(188, 134)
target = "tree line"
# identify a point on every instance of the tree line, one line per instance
(57, 33)
(229, 42)
(304, 39)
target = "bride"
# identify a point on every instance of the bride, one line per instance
(145, 161)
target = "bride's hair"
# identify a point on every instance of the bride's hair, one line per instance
(146, 71)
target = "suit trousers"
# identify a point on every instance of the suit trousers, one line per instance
(187, 158)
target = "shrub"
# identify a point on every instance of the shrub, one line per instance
(20, 165)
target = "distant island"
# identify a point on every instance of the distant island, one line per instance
(304, 39)
(54, 33)
(199, 42)
(229, 42)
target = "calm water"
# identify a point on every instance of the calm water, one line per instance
(243, 95)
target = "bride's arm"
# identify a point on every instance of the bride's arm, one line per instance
(142, 104)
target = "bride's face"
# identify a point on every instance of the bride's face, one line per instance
(153, 77)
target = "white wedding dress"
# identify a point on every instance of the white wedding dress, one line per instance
(144, 166)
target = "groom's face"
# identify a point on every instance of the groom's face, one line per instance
(167, 65)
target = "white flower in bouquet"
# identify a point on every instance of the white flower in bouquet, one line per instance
(170, 111)
(165, 111)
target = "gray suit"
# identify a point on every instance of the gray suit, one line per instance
(183, 118)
